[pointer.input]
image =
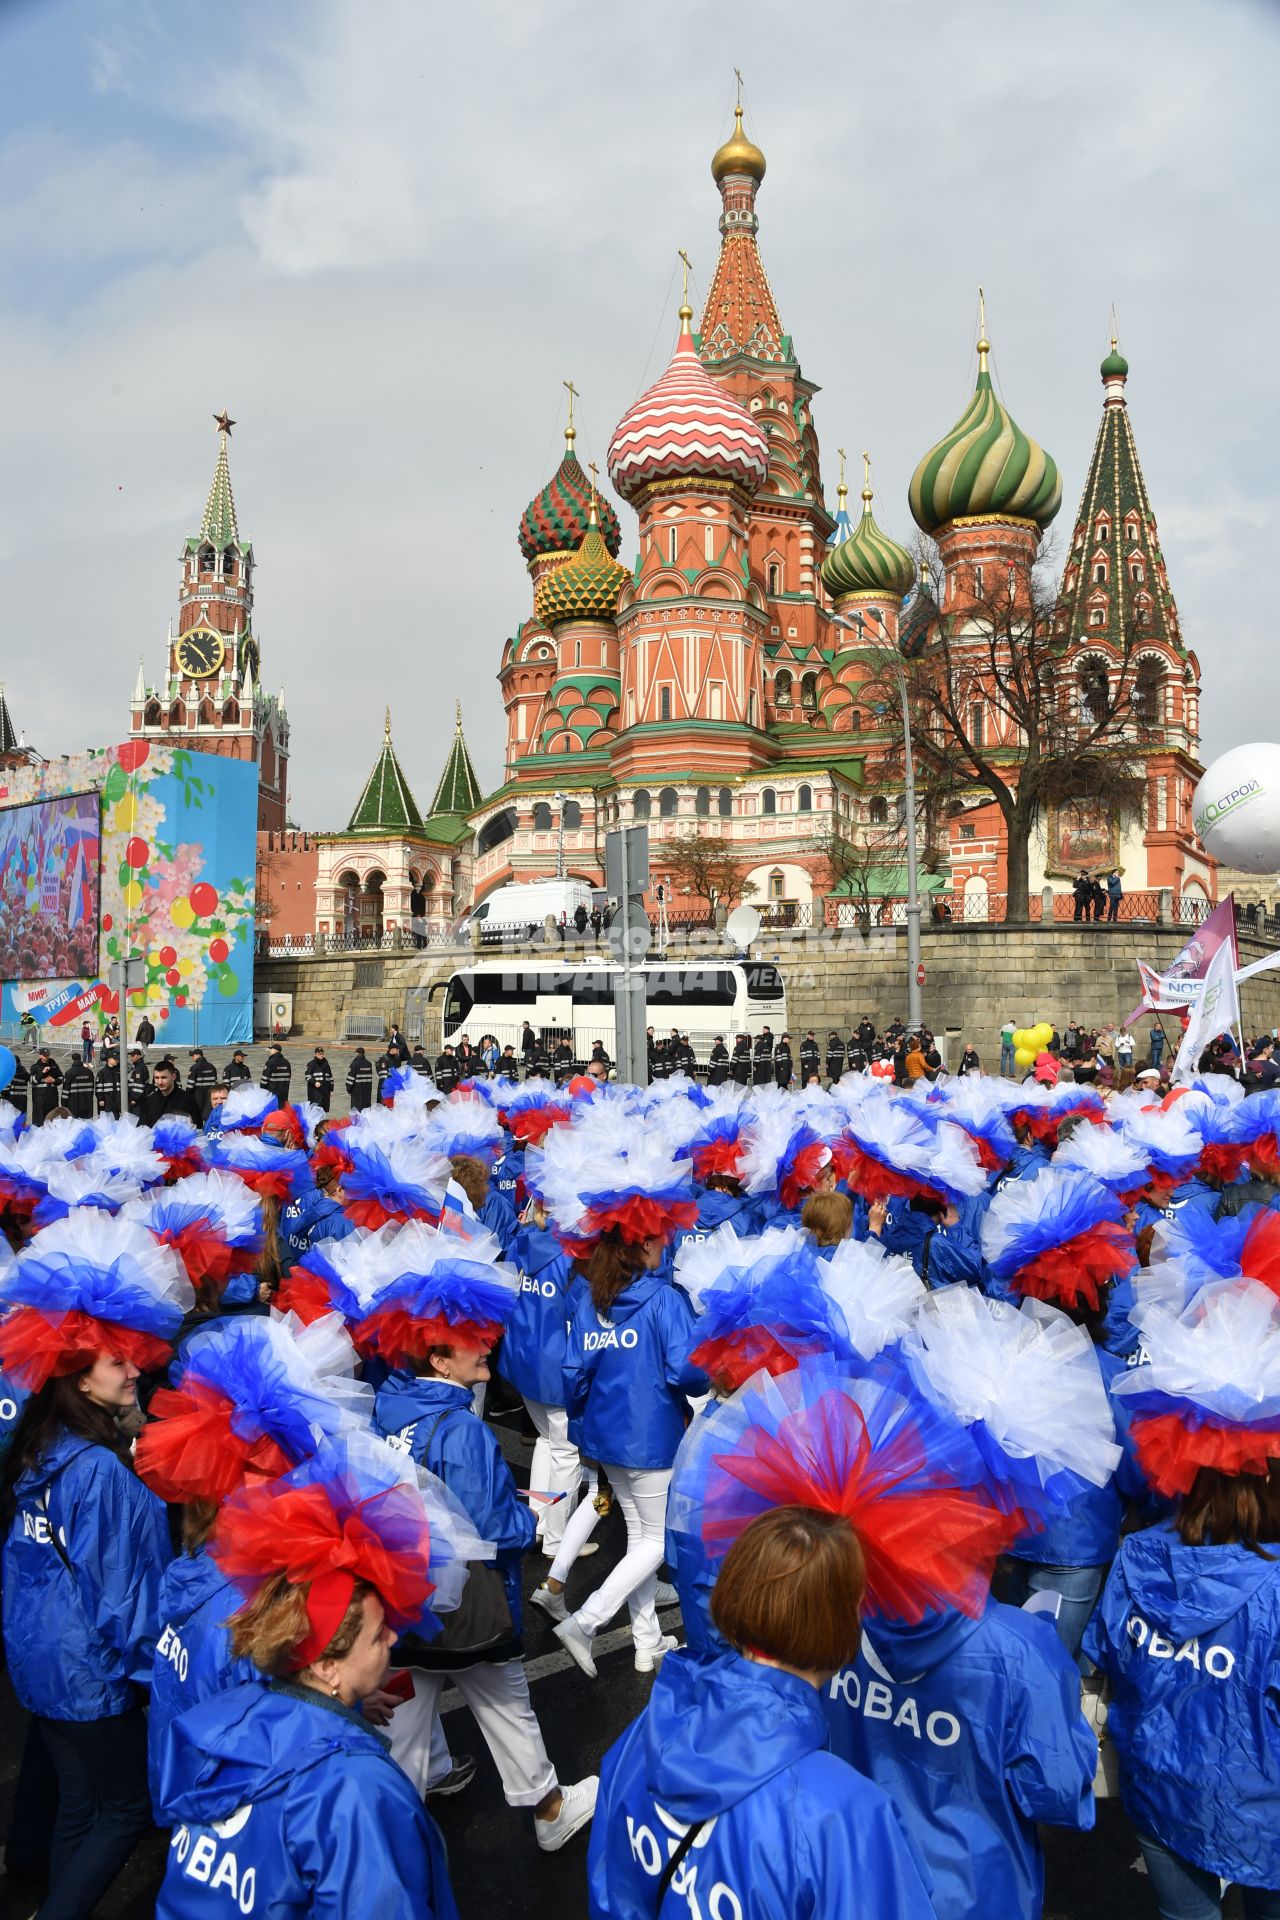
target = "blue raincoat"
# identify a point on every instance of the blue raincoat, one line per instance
(499, 1216)
(715, 1209)
(790, 1832)
(13, 1399)
(973, 1728)
(533, 1342)
(507, 1174)
(286, 1803)
(627, 1378)
(1028, 1159)
(943, 1256)
(463, 1453)
(80, 1632)
(1190, 1639)
(193, 1654)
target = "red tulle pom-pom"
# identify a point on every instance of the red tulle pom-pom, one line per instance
(35, 1349)
(874, 1181)
(987, 1154)
(1260, 1255)
(804, 1173)
(400, 1338)
(1222, 1161)
(1264, 1157)
(1075, 1274)
(205, 1255)
(731, 1358)
(723, 1157)
(640, 1217)
(531, 1126)
(269, 1183)
(179, 1165)
(305, 1294)
(190, 1450)
(1171, 1452)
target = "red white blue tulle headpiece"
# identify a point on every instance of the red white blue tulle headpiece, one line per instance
(390, 1174)
(1025, 1383)
(353, 1511)
(339, 1276)
(1207, 1391)
(249, 1395)
(437, 1291)
(907, 1478)
(978, 1104)
(761, 1303)
(1060, 1237)
(895, 1155)
(465, 1124)
(1107, 1155)
(1255, 1126)
(531, 1109)
(89, 1284)
(605, 1174)
(784, 1153)
(179, 1143)
(246, 1107)
(273, 1172)
(876, 1294)
(212, 1221)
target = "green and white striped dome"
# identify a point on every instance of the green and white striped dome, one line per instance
(985, 468)
(867, 561)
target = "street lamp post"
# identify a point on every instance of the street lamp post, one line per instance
(560, 802)
(915, 1015)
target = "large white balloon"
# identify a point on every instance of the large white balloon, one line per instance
(1236, 808)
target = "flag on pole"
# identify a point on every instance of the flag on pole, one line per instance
(1179, 986)
(1215, 1012)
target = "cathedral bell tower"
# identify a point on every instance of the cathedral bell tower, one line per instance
(210, 699)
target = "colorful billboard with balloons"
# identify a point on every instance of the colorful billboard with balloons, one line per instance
(178, 847)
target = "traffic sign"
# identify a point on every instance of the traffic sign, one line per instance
(920, 974)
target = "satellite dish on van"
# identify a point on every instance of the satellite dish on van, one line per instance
(742, 926)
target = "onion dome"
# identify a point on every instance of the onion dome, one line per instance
(555, 520)
(986, 468)
(583, 587)
(686, 427)
(738, 154)
(868, 561)
(1115, 366)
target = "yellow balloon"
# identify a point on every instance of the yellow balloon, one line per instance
(126, 813)
(1024, 1057)
(182, 914)
(1043, 1032)
(1021, 1038)
(132, 893)
(185, 966)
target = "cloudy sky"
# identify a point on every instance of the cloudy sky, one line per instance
(382, 233)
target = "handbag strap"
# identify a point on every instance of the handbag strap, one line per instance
(676, 1861)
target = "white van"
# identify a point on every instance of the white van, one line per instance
(525, 905)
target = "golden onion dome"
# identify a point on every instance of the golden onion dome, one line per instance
(738, 154)
(586, 586)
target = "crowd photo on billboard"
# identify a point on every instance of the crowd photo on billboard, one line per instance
(49, 859)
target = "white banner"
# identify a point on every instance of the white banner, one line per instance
(1258, 966)
(1216, 1011)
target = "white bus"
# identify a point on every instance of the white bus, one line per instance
(715, 998)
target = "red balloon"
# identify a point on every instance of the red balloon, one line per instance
(173, 976)
(107, 923)
(136, 852)
(180, 999)
(132, 754)
(203, 897)
(167, 956)
(218, 950)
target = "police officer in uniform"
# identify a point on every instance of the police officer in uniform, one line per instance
(276, 1074)
(318, 1076)
(202, 1077)
(360, 1081)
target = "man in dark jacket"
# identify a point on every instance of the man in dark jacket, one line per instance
(866, 1035)
(277, 1073)
(46, 1078)
(318, 1076)
(762, 1059)
(236, 1069)
(144, 1034)
(562, 1060)
(202, 1077)
(447, 1072)
(77, 1089)
(537, 1062)
(856, 1054)
(835, 1056)
(420, 1061)
(528, 1042)
(508, 1064)
(18, 1088)
(360, 1081)
(398, 1047)
(740, 1065)
(810, 1058)
(1080, 894)
(782, 1061)
(166, 1096)
(718, 1065)
(108, 1083)
(139, 1082)
(387, 1063)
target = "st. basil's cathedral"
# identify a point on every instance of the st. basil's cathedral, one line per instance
(725, 681)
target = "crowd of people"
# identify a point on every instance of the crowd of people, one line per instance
(947, 1411)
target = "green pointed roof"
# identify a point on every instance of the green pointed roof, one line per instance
(386, 805)
(219, 523)
(985, 468)
(459, 790)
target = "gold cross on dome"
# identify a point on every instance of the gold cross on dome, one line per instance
(737, 74)
(571, 432)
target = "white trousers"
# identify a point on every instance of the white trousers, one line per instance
(642, 1494)
(555, 1469)
(498, 1696)
(418, 1744)
(581, 1524)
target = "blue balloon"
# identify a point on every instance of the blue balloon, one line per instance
(8, 1067)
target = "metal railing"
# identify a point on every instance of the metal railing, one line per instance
(992, 909)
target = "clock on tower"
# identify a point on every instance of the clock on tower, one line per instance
(200, 653)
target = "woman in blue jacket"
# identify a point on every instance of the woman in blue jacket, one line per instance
(721, 1797)
(91, 1304)
(1188, 1628)
(283, 1796)
(531, 1357)
(445, 1322)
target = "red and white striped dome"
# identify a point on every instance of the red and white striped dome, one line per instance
(686, 426)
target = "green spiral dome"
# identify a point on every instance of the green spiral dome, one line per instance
(868, 561)
(584, 587)
(986, 467)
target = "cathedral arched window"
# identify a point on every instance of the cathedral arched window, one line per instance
(1100, 573)
(668, 803)
(809, 690)
(642, 805)
(768, 801)
(879, 811)
(751, 708)
(541, 817)
(571, 814)
(702, 802)
(773, 578)
(1095, 692)
(229, 563)
(855, 721)
(804, 800)
(1146, 693)
(1135, 572)
(725, 803)
(664, 703)
(782, 688)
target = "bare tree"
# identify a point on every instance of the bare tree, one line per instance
(856, 863)
(710, 867)
(997, 705)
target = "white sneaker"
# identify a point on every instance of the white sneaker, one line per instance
(578, 1644)
(665, 1595)
(647, 1658)
(550, 1603)
(577, 1804)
